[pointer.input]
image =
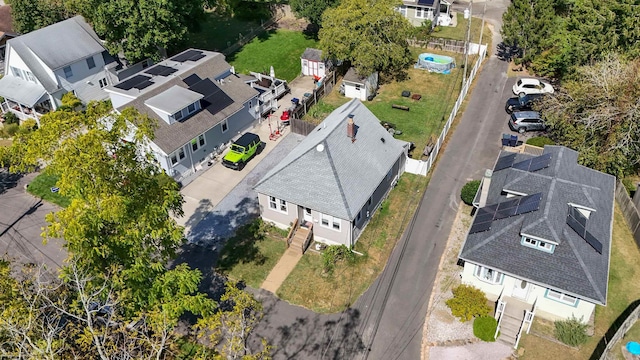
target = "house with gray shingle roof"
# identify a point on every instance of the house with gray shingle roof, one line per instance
(199, 103)
(336, 177)
(540, 241)
(43, 65)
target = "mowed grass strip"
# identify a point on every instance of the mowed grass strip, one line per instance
(623, 290)
(278, 48)
(459, 32)
(309, 286)
(41, 186)
(250, 255)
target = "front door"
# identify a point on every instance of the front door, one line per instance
(520, 289)
(307, 215)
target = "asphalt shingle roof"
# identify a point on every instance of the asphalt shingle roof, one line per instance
(328, 172)
(171, 137)
(312, 54)
(574, 267)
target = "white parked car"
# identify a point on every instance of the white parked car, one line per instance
(528, 86)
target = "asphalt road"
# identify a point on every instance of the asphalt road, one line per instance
(386, 322)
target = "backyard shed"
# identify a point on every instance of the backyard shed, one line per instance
(359, 87)
(312, 63)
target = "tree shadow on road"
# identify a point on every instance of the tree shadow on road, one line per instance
(204, 207)
(217, 226)
(8, 180)
(296, 332)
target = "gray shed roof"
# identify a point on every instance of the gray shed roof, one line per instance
(222, 101)
(328, 172)
(574, 267)
(173, 99)
(353, 77)
(22, 91)
(312, 54)
(57, 46)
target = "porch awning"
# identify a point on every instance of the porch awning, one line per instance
(20, 91)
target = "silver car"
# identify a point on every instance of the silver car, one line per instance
(522, 121)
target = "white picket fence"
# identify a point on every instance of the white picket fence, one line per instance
(422, 167)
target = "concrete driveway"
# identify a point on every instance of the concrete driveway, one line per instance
(21, 224)
(203, 194)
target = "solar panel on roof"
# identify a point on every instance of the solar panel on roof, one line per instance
(504, 162)
(595, 244)
(576, 214)
(192, 79)
(192, 55)
(143, 85)
(540, 162)
(529, 203)
(425, 2)
(508, 204)
(576, 226)
(476, 228)
(522, 165)
(132, 82)
(161, 70)
(214, 98)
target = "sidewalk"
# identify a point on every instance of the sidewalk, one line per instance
(283, 268)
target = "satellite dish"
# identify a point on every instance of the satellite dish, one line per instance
(320, 148)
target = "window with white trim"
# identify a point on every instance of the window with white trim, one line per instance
(403, 10)
(278, 204)
(178, 116)
(30, 77)
(420, 13)
(224, 126)
(17, 72)
(191, 108)
(488, 275)
(329, 221)
(198, 142)
(177, 156)
(67, 72)
(561, 297)
(103, 82)
(91, 63)
(538, 244)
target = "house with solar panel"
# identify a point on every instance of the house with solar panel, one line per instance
(328, 187)
(199, 104)
(45, 64)
(540, 241)
(419, 11)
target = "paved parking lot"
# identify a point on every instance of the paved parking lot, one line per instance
(21, 224)
(204, 196)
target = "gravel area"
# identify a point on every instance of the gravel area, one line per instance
(240, 206)
(444, 336)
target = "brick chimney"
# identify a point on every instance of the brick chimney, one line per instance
(351, 128)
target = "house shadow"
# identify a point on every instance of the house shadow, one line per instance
(8, 180)
(295, 332)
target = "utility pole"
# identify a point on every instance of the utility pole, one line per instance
(484, 9)
(466, 44)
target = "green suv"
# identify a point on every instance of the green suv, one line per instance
(242, 150)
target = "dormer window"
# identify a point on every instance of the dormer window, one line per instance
(175, 103)
(538, 244)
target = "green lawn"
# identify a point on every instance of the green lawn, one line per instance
(278, 48)
(309, 286)
(459, 32)
(426, 117)
(251, 254)
(219, 32)
(41, 186)
(623, 290)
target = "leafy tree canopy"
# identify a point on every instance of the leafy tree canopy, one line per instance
(312, 10)
(29, 15)
(598, 116)
(369, 34)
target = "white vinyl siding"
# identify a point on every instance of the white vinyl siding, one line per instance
(278, 205)
(488, 275)
(330, 222)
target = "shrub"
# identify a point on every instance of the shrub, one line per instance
(11, 118)
(469, 191)
(540, 141)
(11, 129)
(571, 331)
(334, 254)
(484, 328)
(468, 302)
(629, 185)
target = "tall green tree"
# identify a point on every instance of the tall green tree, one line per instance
(369, 34)
(141, 29)
(597, 115)
(29, 15)
(312, 10)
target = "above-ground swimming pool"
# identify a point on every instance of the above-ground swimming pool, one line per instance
(435, 63)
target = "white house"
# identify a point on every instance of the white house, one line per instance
(312, 63)
(336, 178)
(360, 87)
(200, 105)
(43, 65)
(540, 241)
(419, 11)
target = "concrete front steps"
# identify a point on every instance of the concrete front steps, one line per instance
(299, 239)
